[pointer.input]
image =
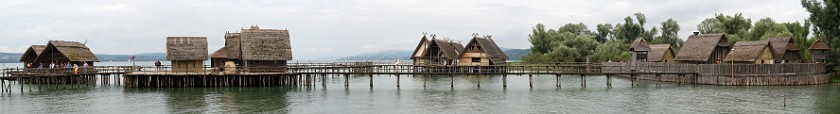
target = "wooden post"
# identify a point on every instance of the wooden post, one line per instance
(346, 80)
(558, 79)
(504, 80)
(530, 80)
(371, 80)
(451, 81)
(479, 81)
(609, 80)
(398, 80)
(424, 80)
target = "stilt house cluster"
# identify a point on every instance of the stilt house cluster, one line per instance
(59, 52)
(255, 49)
(479, 51)
(186, 53)
(715, 49)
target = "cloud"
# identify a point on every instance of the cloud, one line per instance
(339, 28)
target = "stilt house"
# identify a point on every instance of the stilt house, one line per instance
(32, 53)
(66, 51)
(661, 53)
(819, 50)
(256, 49)
(440, 52)
(785, 50)
(417, 56)
(639, 49)
(482, 51)
(186, 53)
(704, 49)
(751, 52)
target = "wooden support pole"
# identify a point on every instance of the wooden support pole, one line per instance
(609, 80)
(530, 80)
(478, 81)
(425, 77)
(398, 80)
(504, 80)
(451, 81)
(371, 80)
(583, 80)
(558, 79)
(346, 80)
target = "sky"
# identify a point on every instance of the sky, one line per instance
(335, 28)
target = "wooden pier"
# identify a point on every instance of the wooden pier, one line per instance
(309, 74)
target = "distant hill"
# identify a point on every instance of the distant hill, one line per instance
(15, 57)
(513, 54)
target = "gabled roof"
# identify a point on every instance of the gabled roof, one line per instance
(259, 44)
(186, 48)
(657, 51)
(747, 51)
(221, 53)
(33, 50)
(781, 45)
(699, 48)
(450, 50)
(423, 41)
(494, 53)
(819, 45)
(74, 51)
(639, 45)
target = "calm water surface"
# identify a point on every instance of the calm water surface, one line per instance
(437, 97)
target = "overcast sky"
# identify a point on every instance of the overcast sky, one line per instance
(340, 27)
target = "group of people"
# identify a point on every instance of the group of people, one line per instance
(60, 65)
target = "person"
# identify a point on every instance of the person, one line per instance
(85, 65)
(52, 65)
(76, 68)
(158, 64)
(41, 65)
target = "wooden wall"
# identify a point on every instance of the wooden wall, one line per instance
(188, 66)
(466, 59)
(765, 57)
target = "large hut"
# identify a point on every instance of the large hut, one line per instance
(785, 50)
(819, 51)
(482, 51)
(32, 53)
(66, 52)
(751, 52)
(441, 52)
(186, 53)
(417, 56)
(255, 49)
(661, 53)
(639, 49)
(703, 49)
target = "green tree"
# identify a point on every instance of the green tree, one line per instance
(736, 27)
(767, 28)
(825, 16)
(612, 50)
(539, 38)
(629, 30)
(604, 32)
(669, 35)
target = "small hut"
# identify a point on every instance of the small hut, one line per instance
(186, 53)
(66, 51)
(482, 51)
(256, 49)
(661, 53)
(417, 56)
(639, 49)
(32, 53)
(751, 52)
(785, 50)
(219, 57)
(441, 52)
(818, 51)
(704, 49)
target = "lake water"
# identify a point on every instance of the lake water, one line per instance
(437, 97)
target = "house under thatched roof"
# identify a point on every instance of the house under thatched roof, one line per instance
(421, 49)
(483, 51)
(660, 53)
(758, 52)
(819, 45)
(32, 53)
(66, 51)
(785, 50)
(448, 50)
(259, 44)
(186, 48)
(639, 45)
(818, 51)
(703, 49)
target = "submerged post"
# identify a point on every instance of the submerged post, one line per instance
(530, 80)
(504, 80)
(398, 80)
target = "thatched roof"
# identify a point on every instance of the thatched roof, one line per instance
(699, 48)
(74, 51)
(819, 45)
(32, 50)
(450, 50)
(423, 41)
(493, 52)
(747, 51)
(186, 48)
(781, 45)
(259, 44)
(639, 45)
(221, 53)
(657, 52)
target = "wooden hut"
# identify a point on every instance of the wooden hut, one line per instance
(639, 49)
(661, 53)
(751, 52)
(66, 51)
(481, 52)
(32, 53)
(441, 52)
(417, 56)
(785, 50)
(819, 51)
(256, 49)
(186, 53)
(219, 57)
(704, 49)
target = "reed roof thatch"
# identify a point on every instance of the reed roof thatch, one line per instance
(186, 48)
(423, 41)
(747, 51)
(699, 48)
(33, 52)
(221, 53)
(781, 46)
(639, 45)
(450, 50)
(819, 45)
(259, 44)
(657, 52)
(494, 53)
(74, 51)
